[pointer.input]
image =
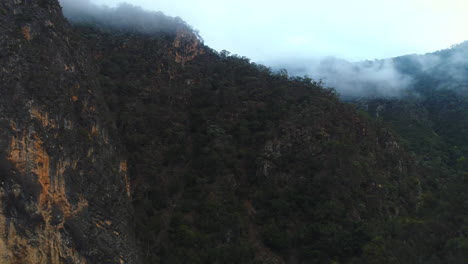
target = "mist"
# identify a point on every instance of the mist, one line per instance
(122, 17)
(392, 77)
(350, 80)
(454, 67)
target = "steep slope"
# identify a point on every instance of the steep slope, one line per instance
(231, 163)
(436, 101)
(423, 100)
(432, 120)
(64, 191)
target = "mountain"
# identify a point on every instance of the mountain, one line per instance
(431, 119)
(435, 103)
(422, 100)
(238, 152)
(136, 143)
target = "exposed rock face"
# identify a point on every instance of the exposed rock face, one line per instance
(64, 190)
(187, 46)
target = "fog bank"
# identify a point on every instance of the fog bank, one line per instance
(124, 16)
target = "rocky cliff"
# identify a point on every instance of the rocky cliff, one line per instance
(64, 195)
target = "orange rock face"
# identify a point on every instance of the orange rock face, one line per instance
(29, 156)
(42, 117)
(187, 46)
(26, 30)
(123, 169)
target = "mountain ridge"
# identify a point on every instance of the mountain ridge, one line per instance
(230, 122)
(128, 146)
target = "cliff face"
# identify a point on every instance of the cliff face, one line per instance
(64, 190)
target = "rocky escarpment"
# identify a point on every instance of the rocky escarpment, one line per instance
(64, 190)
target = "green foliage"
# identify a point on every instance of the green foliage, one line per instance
(231, 160)
(432, 122)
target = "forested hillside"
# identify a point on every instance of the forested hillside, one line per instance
(431, 117)
(125, 139)
(304, 178)
(232, 163)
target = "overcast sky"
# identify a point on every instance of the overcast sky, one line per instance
(266, 30)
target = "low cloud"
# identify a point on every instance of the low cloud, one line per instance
(125, 17)
(445, 69)
(368, 78)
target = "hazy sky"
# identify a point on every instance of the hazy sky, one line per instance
(266, 30)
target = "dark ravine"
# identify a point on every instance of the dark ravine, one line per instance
(120, 146)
